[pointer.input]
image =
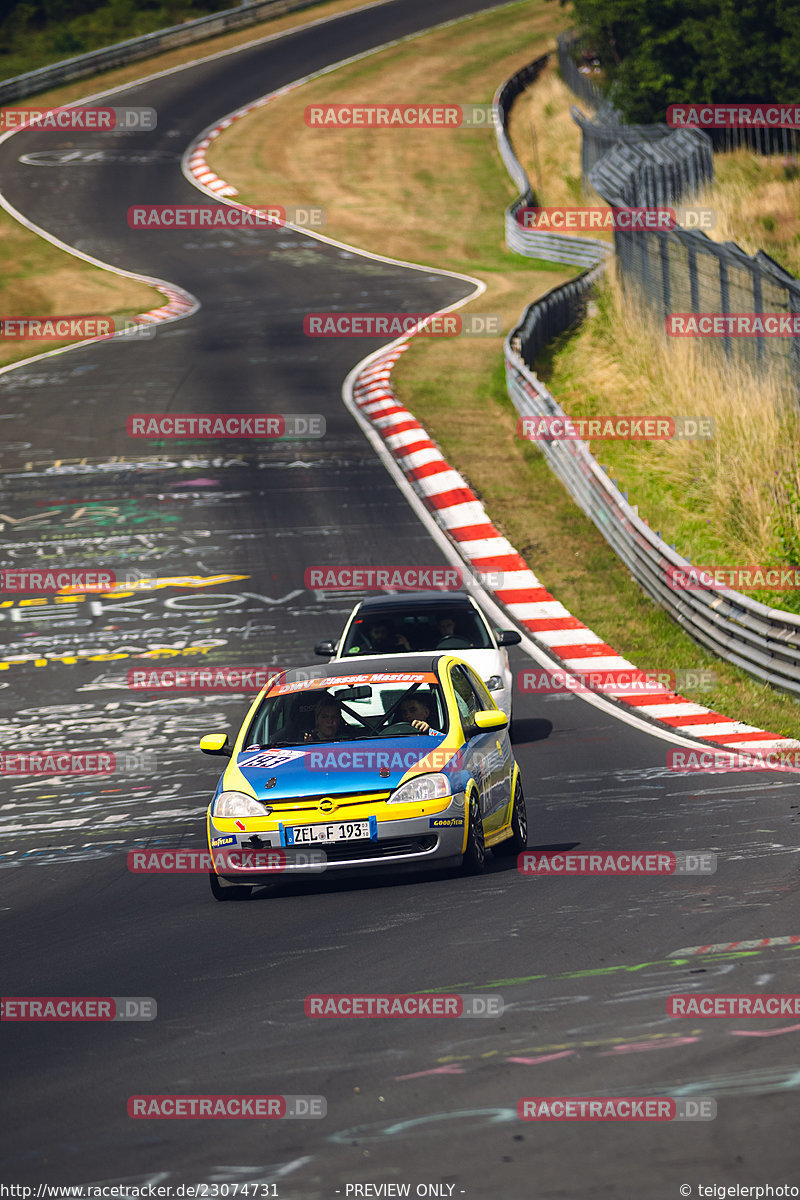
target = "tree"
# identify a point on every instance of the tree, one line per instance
(703, 51)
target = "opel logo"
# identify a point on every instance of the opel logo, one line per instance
(327, 806)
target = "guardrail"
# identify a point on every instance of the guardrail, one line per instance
(763, 641)
(535, 243)
(652, 166)
(142, 47)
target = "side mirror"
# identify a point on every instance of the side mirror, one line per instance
(508, 637)
(487, 720)
(326, 648)
(215, 743)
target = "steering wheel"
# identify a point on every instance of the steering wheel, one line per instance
(453, 642)
(402, 727)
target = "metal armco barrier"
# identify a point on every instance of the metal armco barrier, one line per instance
(142, 47)
(535, 243)
(763, 641)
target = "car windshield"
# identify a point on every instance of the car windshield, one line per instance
(335, 709)
(438, 627)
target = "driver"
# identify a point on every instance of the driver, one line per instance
(416, 711)
(328, 722)
(446, 626)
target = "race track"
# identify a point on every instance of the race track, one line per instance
(583, 965)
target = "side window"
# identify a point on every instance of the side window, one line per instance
(484, 699)
(466, 699)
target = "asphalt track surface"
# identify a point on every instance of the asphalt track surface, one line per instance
(583, 965)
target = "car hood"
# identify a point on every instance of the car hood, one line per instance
(339, 768)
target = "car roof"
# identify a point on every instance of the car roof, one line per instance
(376, 664)
(408, 600)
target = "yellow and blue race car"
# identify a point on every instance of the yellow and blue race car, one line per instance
(345, 769)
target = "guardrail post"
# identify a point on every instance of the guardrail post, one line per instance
(725, 301)
(663, 247)
(758, 307)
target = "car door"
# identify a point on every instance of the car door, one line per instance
(480, 752)
(498, 760)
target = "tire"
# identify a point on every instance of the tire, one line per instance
(474, 859)
(234, 891)
(519, 826)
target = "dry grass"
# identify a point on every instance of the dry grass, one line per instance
(717, 500)
(547, 142)
(757, 204)
(406, 193)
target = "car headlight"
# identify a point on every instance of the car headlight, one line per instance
(495, 683)
(237, 804)
(425, 787)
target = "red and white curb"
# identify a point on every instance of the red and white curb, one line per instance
(201, 171)
(195, 159)
(179, 304)
(459, 512)
(721, 947)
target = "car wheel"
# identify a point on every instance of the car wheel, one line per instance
(474, 859)
(519, 826)
(233, 891)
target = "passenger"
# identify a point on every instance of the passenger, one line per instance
(385, 639)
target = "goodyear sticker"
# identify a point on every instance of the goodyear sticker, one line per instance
(223, 841)
(438, 822)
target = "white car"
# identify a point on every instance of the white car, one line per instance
(429, 621)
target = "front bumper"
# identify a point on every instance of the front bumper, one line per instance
(436, 838)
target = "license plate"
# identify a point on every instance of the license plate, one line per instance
(333, 831)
